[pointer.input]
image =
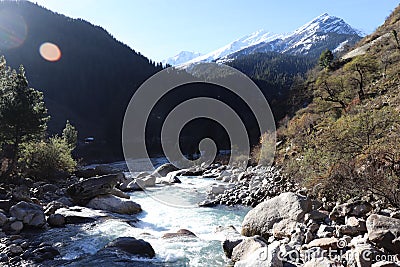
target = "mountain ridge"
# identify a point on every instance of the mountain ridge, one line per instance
(300, 41)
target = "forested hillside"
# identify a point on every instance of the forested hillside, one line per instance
(346, 142)
(90, 84)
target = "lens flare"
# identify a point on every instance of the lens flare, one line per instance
(13, 30)
(50, 52)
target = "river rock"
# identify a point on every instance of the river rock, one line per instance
(179, 233)
(149, 181)
(79, 214)
(56, 220)
(3, 219)
(82, 192)
(217, 189)
(324, 243)
(196, 171)
(43, 252)
(164, 169)
(30, 214)
(131, 245)
(357, 208)
(263, 257)
(261, 219)
(16, 226)
(52, 207)
(15, 250)
(248, 246)
(115, 204)
(171, 178)
(135, 185)
(385, 232)
(118, 193)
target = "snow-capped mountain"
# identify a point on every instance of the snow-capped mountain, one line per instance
(323, 32)
(180, 58)
(255, 38)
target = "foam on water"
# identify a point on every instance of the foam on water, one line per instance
(76, 241)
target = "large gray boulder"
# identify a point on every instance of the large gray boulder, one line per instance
(29, 213)
(287, 206)
(115, 204)
(133, 246)
(85, 190)
(164, 169)
(268, 256)
(247, 247)
(385, 232)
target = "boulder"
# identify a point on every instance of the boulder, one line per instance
(247, 247)
(263, 257)
(3, 219)
(78, 214)
(232, 238)
(135, 185)
(16, 226)
(325, 231)
(164, 169)
(385, 232)
(171, 178)
(115, 204)
(324, 243)
(133, 246)
(197, 171)
(284, 228)
(118, 193)
(82, 192)
(56, 220)
(149, 181)
(261, 219)
(217, 189)
(30, 214)
(353, 227)
(43, 253)
(357, 208)
(15, 250)
(180, 233)
(52, 207)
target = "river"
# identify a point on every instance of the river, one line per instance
(79, 243)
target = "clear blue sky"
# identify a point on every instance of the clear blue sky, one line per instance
(162, 28)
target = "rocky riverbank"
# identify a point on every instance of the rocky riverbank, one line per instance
(286, 227)
(293, 230)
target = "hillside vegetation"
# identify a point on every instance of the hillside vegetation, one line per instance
(346, 142)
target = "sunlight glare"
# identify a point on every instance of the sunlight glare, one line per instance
(50, 52)
(13, 30)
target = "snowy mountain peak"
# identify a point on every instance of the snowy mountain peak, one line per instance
(252, 39)
(323, 32)
(180, 58)
(326, 24)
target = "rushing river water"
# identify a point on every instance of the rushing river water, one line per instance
(80, 242)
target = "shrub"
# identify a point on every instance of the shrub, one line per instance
(47, 159)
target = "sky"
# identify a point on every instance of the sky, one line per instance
(160, 29)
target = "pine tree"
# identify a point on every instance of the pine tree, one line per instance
(326, 58)
(23, 115)
(70, 135)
